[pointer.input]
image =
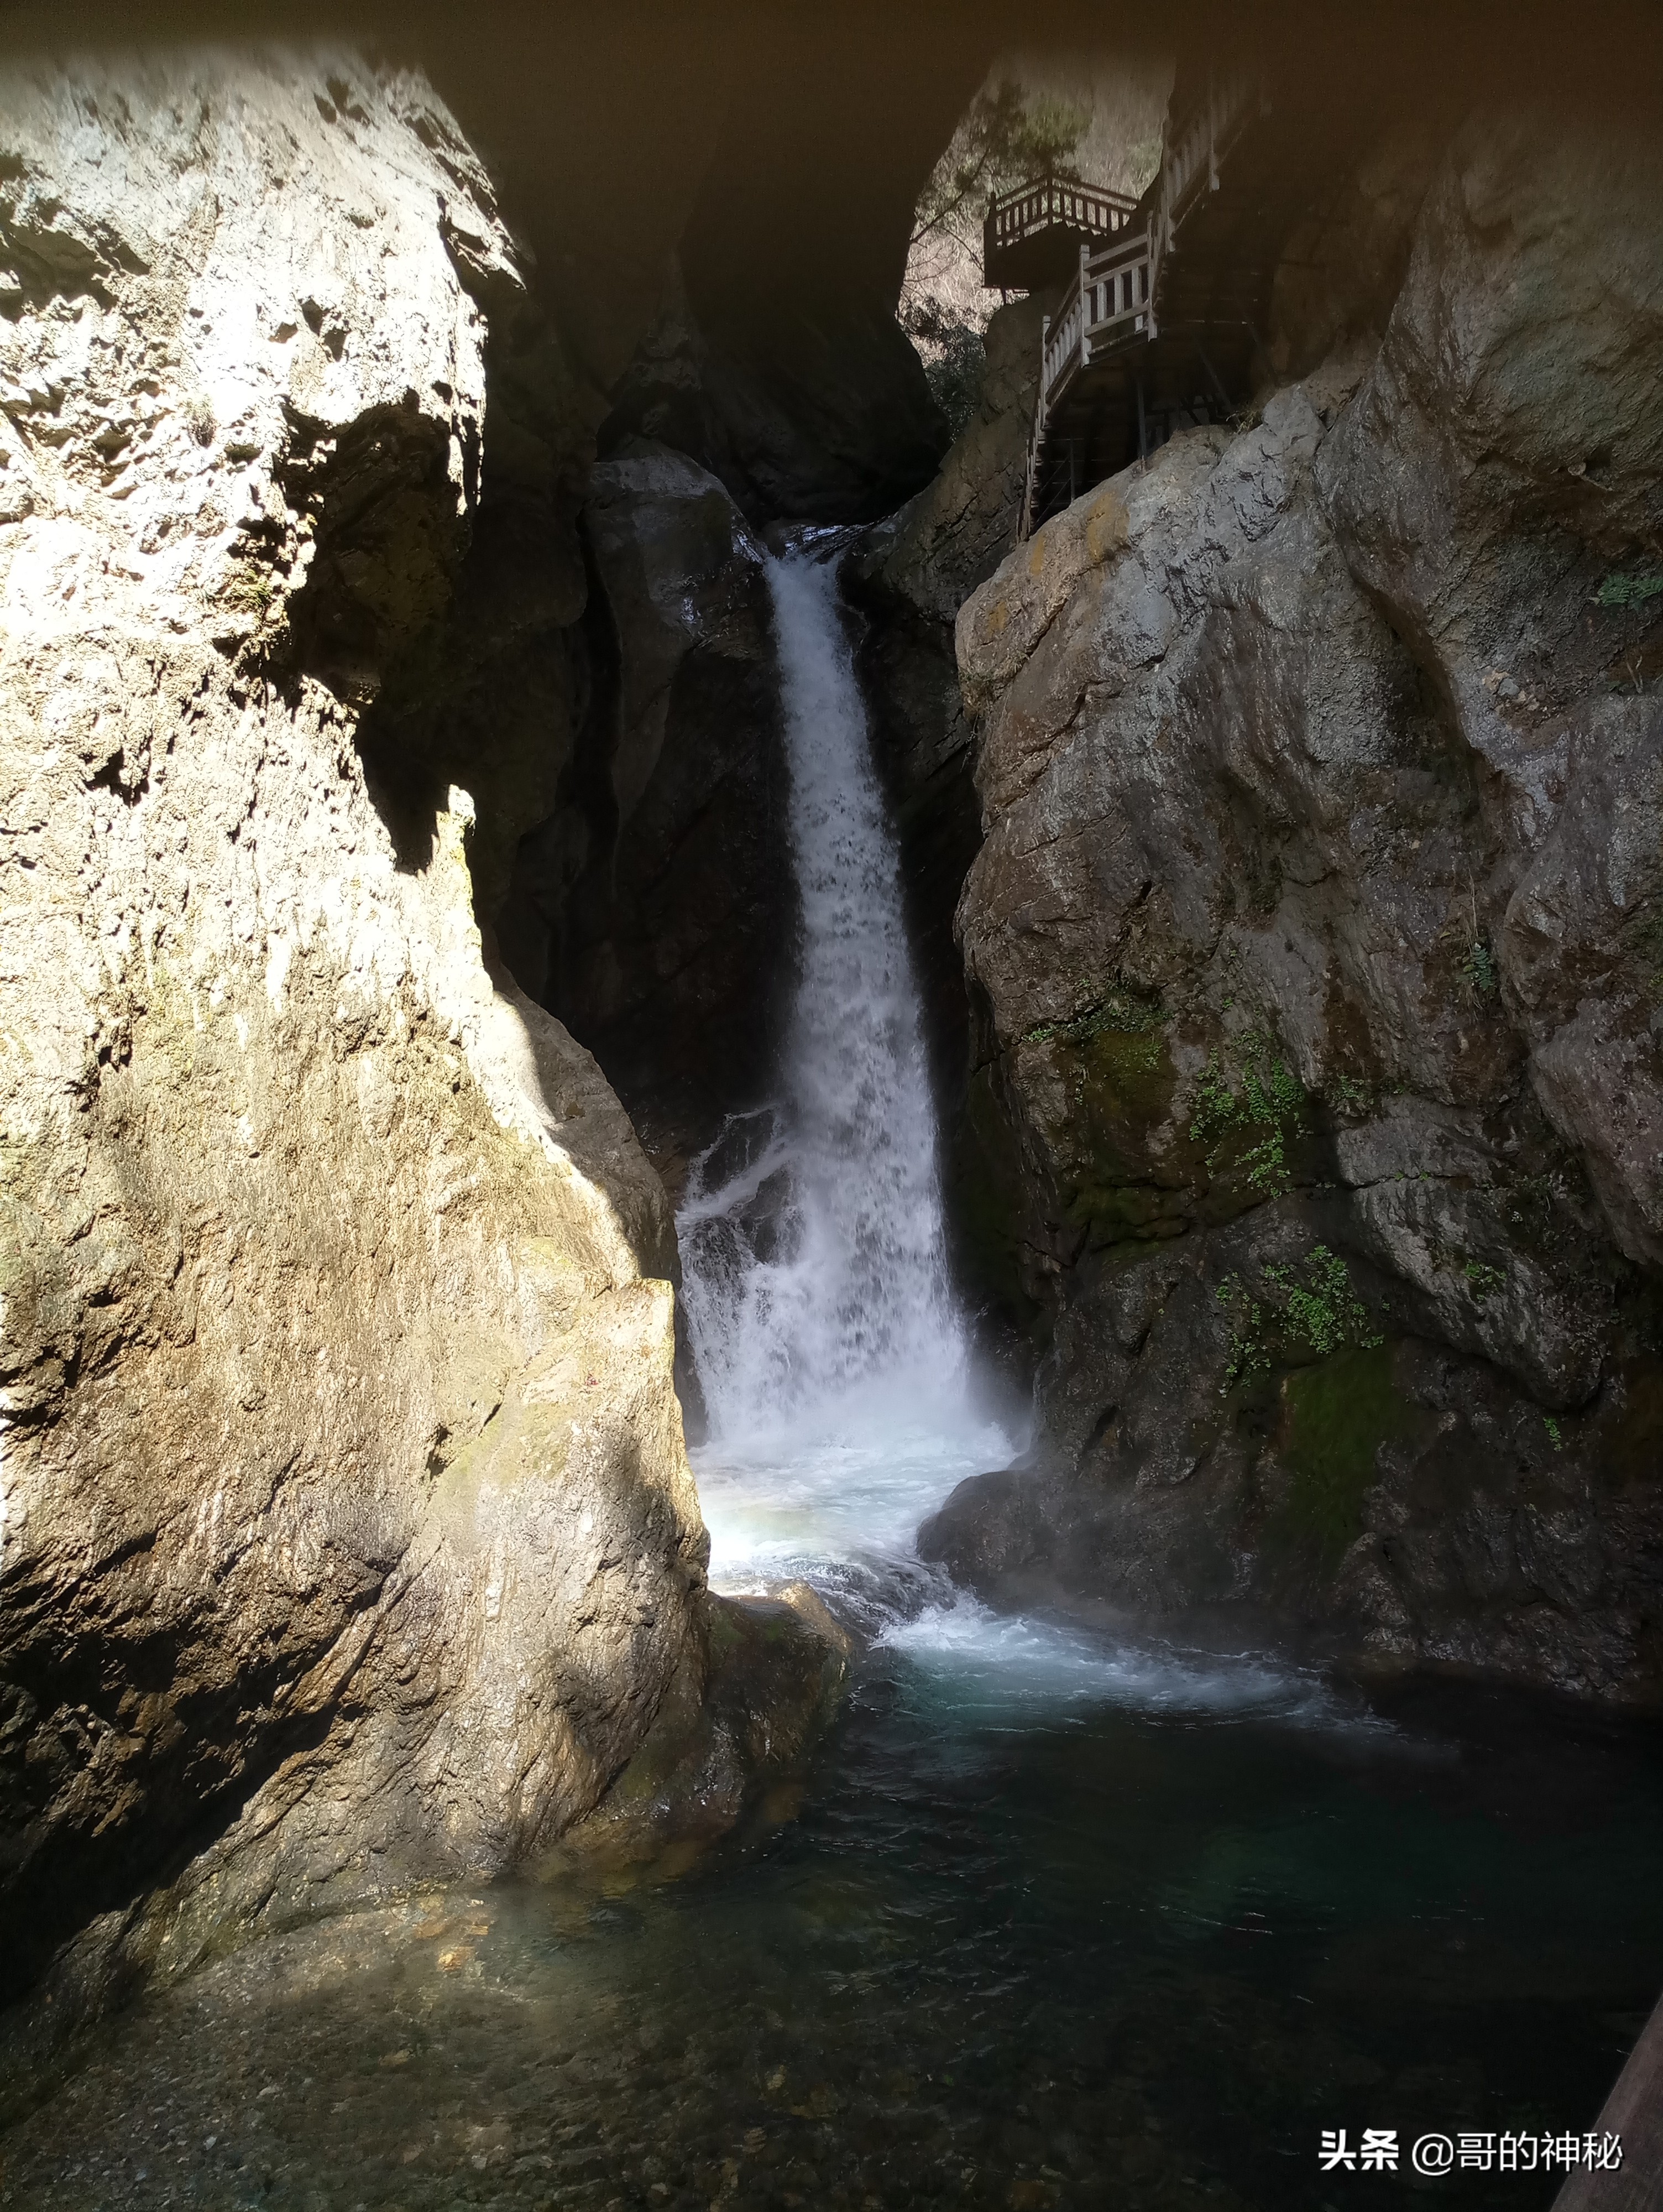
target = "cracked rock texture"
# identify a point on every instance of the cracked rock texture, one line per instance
(346, 1528)
(1314, 950)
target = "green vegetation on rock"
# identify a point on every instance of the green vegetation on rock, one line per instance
(1270, 1101)
(1337, 1416)
(1308, 1309)
(1480, 969)
(1118, 1013)
(1620, 591)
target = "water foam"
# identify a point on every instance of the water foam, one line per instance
(994, 1661)
(813, 1239)
(833, 1360)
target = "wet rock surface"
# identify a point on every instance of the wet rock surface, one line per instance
(906, 578)
(735, 1733)
(1314, 1012)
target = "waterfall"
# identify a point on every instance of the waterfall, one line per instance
(842, 1401)
(815, 1282)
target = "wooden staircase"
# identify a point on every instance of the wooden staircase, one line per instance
(1159, 327)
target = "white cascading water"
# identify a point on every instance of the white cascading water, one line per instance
(830, 1351)
(833, 1362)
(855, 1296)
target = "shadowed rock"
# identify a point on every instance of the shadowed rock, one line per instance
(1315, 1066)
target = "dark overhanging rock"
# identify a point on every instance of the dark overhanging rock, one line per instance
(651, 907)
(818, 402)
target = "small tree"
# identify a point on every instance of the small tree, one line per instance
(1006, 136)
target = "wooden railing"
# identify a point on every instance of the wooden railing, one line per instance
(1049, 203)
(1191, 152)
(1112, 298)
(1108, 298)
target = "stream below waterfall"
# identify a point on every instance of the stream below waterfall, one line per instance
(1058, 1920)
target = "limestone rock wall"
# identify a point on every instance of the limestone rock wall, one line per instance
(343, 1498)
(1311, 950)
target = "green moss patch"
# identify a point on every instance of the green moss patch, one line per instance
(1127, 1213)
(1122, 1085)
(1336, 1416)
(1245, 1124)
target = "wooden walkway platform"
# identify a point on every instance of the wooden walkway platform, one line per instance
(1034, 235)
(1159, 325)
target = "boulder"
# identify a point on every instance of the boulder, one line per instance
(732, 1742)
(347, 1535)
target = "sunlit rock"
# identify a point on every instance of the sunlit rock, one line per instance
(346, 1508)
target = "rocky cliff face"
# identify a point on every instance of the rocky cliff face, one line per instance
(652, 903)
(346, 1530)
(1312, 950)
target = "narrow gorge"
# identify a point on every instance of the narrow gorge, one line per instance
(832, 1188)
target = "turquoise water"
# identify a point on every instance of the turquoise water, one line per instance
(1039, 1935)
